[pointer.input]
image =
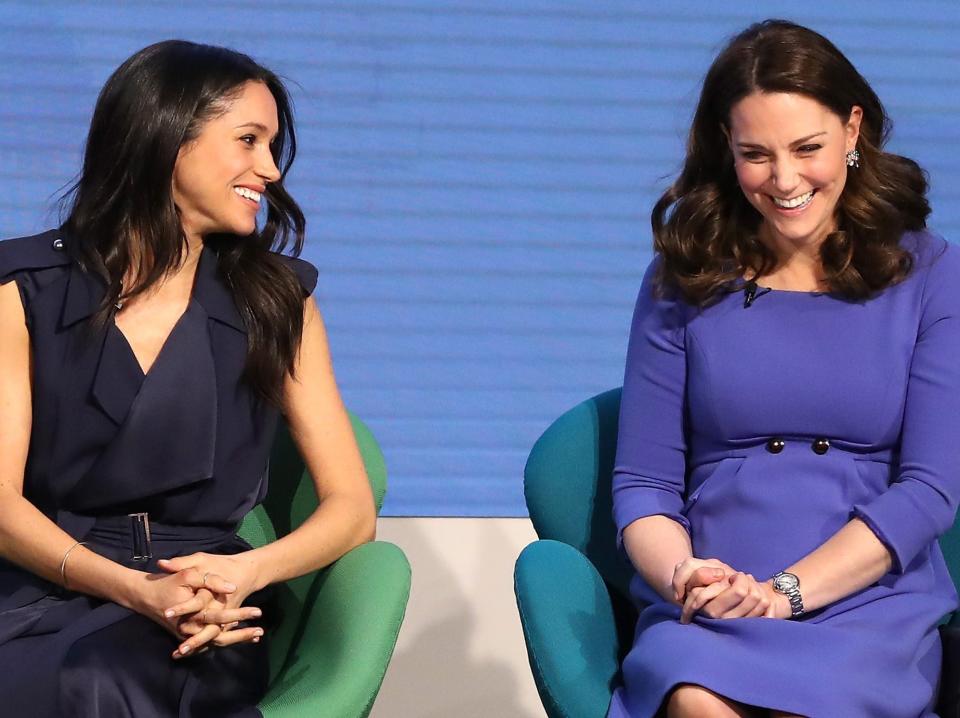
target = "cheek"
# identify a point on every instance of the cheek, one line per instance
(751, 177)
(829, 173)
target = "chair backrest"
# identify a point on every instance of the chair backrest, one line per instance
(567, 484)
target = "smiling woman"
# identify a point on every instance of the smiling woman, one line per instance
(784, 467)
(147, 349)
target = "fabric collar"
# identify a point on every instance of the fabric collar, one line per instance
(86, 290)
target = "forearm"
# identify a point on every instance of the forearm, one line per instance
(32, 541)
(339, 524)
(849, 561)
(655, 545)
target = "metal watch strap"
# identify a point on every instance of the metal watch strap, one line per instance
(793, 595)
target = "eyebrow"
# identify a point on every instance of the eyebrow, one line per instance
(256, 126)
(795, 142)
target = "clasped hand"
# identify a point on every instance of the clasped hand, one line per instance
(195, 601)
(716, 590)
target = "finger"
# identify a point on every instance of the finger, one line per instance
(241, 635)
(743, 608)
(189, 627)
(192, 644)
(738, 589)
(760, 609)
(217, 583)
(178, 563)
(228, 615)
(685, 570)
(697, 598)
(199, 601)
(706, 575)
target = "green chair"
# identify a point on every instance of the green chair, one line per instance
(329, 654)
(571, 585)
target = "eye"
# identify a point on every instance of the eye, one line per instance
(249, 139)
(752, 155)
(807, 149)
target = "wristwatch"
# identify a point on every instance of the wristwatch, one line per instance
(789, 585)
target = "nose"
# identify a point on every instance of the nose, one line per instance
(786, 177)
(267, 167)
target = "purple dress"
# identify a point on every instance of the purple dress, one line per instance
(186, 443)
(707, 393)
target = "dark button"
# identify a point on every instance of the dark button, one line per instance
(820, 446)
(58, 244)
(775, 445)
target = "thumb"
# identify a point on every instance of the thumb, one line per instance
(172, 565)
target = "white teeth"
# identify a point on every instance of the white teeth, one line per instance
(793, 203)
(248, 193)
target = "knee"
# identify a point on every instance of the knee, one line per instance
(696, 701)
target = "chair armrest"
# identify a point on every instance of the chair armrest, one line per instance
(568, 624)
(353, 613)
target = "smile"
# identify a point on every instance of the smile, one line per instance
(248, 193)
(797, 203)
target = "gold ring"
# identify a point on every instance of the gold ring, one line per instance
(203, 580)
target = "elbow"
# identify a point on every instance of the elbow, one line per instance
(366, 524)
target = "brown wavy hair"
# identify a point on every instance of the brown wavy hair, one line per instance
(707, 231)
(153, 104)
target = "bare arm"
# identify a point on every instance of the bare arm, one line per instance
(655, 545)
(27, 537)
(346, 516)
(849, 561)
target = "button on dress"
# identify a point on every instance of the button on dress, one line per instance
(763, 431)
(186, 443)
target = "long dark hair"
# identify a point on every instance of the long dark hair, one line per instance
(707, 231)
(154, 103)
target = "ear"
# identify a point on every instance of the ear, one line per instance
(852, 127)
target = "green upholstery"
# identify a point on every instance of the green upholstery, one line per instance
(571, 586)
(340, 624)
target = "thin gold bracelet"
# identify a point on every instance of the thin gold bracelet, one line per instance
(63, 562)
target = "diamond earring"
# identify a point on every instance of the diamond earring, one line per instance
(853, 158)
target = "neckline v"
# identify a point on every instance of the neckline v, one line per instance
(163, 346)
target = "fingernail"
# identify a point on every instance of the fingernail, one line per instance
(230, 586)
(256, 639)
(717, 572)
(184, 650)
(256, 612)
(168, 613)
(258, 632)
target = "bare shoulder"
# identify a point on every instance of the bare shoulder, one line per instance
(12, 316)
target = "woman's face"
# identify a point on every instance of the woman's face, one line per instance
(218, 178)
(790, 156)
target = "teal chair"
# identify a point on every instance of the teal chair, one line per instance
(329, 654)
(571, 585)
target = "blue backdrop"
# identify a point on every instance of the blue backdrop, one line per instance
(477, 179)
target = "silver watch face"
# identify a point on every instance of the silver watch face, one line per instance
(786, 582)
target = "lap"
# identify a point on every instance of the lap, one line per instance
(124, 668)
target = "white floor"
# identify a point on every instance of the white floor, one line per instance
(460, 651)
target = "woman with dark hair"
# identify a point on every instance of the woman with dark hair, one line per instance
(787, 454)
(147, 348)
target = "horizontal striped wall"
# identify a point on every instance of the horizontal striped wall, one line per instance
(477, 179)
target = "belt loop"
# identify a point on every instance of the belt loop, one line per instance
(140, 530)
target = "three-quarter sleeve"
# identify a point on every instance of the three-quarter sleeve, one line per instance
(650, 467)
(921, 503)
